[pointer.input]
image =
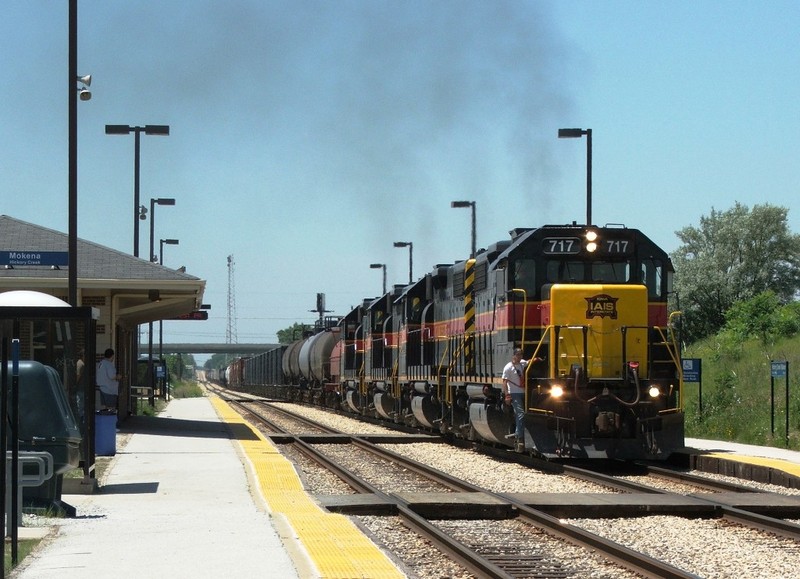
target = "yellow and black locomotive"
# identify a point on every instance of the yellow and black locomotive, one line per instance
(588, 306)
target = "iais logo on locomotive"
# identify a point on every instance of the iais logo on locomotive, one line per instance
(601, 305)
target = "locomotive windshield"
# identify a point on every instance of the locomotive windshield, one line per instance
(650, 273)
(559, 271)
(540, 258)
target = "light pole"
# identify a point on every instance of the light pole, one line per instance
(380, 266)
(163, 242)
(410, 247)
(126, 130)
(153, 203)
(471, 204)
(577, 134)
(72, 178)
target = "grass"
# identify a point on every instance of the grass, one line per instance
(738, 392)
(186, 389)
(24, 548)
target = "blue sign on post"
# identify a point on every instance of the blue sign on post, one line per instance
(778, 369)
(691, 369)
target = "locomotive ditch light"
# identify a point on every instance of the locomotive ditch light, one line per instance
(556, 391)
(654, 392)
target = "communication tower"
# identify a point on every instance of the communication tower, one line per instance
(230, 332)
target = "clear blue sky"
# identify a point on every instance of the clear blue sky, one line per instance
(306, 137)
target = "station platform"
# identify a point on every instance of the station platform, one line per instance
(197, 492)
(763, 463)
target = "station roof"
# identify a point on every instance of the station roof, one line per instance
(144, 291)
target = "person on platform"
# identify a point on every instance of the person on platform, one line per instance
(108, 381)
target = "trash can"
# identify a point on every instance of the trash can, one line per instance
(46, 425)
(105, 434)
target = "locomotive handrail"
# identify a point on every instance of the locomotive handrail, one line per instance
(393, 378)
(446, 374)
(672, 348)
(534, 356)
(458, 350)
(524, 313)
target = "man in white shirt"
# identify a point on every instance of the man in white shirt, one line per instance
(108, 381)
(514, 393)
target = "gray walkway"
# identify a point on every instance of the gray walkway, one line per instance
(175, 504)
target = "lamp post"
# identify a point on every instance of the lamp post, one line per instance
(163, 242)
(72, 178)
(153, 203)
(577, 134)
(380, 266)
(126, 130)
(471, 204)
(410, 247)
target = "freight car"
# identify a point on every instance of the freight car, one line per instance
(588, 307)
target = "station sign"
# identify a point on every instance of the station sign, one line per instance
(691, 369)
(196, 315)
(23, 258)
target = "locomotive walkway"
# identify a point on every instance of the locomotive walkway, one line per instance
(196, 492)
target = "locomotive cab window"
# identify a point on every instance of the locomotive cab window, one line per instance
(559, 271)
(652, 277)
(611, 271)
(525, 276)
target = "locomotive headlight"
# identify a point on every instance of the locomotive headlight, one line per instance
(556, 391)
(591, 241)
(654, 392)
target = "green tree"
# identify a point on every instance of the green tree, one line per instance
(219, 361)
(733, 255)
(753, 318)
(292, 333)
(762, 317)
(176, 365)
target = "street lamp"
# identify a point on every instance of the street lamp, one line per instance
(410, 247)
(379, 266)
(458, 204)
(72, 170)
(577, 134)
(163, 242)
(153, 203)
(126, 130)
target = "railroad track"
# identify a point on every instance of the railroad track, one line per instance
(705, 498)
(475, 557)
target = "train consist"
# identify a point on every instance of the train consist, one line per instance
(588, 306)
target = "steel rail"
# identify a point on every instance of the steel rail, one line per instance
(628, 558)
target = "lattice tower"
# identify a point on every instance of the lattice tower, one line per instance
(230, 332)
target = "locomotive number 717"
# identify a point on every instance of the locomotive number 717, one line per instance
(617, 246)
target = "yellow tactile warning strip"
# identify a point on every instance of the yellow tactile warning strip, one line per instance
(776, 463)
(336, 546)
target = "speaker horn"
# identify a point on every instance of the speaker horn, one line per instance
(87, 80)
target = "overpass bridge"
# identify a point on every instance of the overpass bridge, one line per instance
(188, 348)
